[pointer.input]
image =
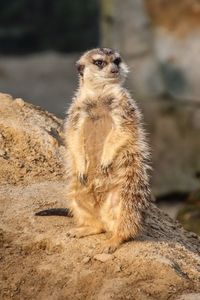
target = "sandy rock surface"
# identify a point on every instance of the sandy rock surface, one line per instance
(30, 142)
(38, 260)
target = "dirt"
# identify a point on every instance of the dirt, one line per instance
(39, 261)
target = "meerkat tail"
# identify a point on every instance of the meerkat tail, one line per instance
(65, 212)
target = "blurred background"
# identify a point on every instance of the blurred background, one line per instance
(41, 40)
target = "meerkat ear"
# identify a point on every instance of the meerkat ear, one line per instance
(80, 67)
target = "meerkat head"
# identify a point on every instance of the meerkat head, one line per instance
(101, 66)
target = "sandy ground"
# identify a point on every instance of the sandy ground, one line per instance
(38, 260)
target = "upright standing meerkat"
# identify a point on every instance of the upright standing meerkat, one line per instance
(106, 152)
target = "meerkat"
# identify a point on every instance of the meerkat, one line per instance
(107, 157)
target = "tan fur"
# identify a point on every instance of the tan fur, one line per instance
(106, 153)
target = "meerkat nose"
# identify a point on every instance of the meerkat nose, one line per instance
(114, 69)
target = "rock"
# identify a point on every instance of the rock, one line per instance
(38, 261)
(31, 142)
(190, 296)
(2, 153)
(103, 257)
(86, 259)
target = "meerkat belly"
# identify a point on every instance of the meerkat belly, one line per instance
(96, 129)
(110, 210)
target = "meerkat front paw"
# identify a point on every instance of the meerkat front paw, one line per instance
(82, 178)
(82, 173)
(106, 167)
(82, 168)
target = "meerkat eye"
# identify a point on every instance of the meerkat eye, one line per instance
(117, 61)
(99, 62)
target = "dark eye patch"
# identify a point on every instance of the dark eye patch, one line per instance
(117, 61)
(99, 62)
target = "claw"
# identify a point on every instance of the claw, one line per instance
(106, 168)
(82, 179)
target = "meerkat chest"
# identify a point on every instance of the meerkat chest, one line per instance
(97, 126)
